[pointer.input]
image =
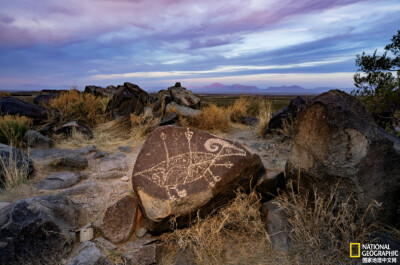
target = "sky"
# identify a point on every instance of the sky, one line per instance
(60, 44)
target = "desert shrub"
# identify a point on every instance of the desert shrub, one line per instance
(73, 105)
(233, 235)
(288, 129)
(142, 125)
(13, 173)
(212, 118)
(13, 128)
(239, 109)
(264, 115)
(4, 94)
(322, 228)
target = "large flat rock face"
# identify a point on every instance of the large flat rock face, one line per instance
(180, 170)
(339, 146)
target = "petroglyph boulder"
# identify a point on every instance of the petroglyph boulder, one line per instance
(339, 142)
(182, 170)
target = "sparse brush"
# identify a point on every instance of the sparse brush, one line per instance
(289, 128)
(239, 109)
(142, 125)
(4, 94)
(264, 115)
(212, 118)
(13, 128)
(73, 105)
(322, 228)
(233, 235)
(14, 172)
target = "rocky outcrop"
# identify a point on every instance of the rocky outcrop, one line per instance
(101, 91)
(184, 97)
(34, 139)
(88, 254)
(12, 157)
(338, 143)
(37, 230)
(13, 106)
(143, 251)
(44, 99)
(278, 117)
(128, 98)
(181, 110)
(180, 170)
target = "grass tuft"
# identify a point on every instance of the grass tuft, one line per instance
(264, 115)
(14, 173)
(142, 125)
(239, 108)
(13, 129)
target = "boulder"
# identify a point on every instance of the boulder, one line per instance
(338, 143)
(72, 161)
(270, 183)
(169, 118)
(101, 91)
(143, 251)
(276, 224)
(13, 157)
(184, 97)
(44, 99)
(69, 127)
(127, 99)
(33, 139)
(277, 118)
(104, 245)
(37, 230)
(180, 171)
(86, 188)
(112, 163)
(88, 254)
(59, 180)
(181, 110)
(13, 106)
(119, 220)
(52, 153)
(125, 148)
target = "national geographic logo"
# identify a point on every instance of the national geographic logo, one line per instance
(374, 253)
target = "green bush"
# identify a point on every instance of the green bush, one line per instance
(13, 128)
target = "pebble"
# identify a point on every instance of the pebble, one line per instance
(125, 179)
(141, 232)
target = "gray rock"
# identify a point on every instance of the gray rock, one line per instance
(169, 118)
(113, 163)
(251, 121)
(59, 180)
(185, 257)
(14, 106)
(11, 156)
(88, 254)
(37, 230)
(103, 244)
(100, 154)
(86, 150)
(110, 175)
(276, 225)
(71, 161)
(184, 97)
(69, 127)
(182, 110)
(52, 153)
(34, 139)
(141, 232)
(89, 187)
(126, 149)
(143, 251)
(3, 204)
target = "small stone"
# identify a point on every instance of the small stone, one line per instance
(125, 179)
(126, 149)
(113, 163)
(86, 234)
(100, 154)
(141, 232)
(110, 175)
(143, 251)
(71, 161)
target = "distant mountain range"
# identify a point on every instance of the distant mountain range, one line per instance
(218, 88)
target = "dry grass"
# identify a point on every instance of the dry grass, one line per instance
(13, 128)
(4, 94)
(142, 125)
(239, 108)
(289, 128)
(322, 229)
(13, 173)
(234, 235)
(264, 115)
(82, 107)
(212, 119)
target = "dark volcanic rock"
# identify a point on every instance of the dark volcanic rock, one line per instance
(143, 251)
(269, 184)
(71, 161)
(119, 220)
(182, 110)
(338, 142)
(34, 139)
(37, 230)
(68, 128)
(44, 99)
(127, 99)
(13, 106)
(169, 119)
(181, 170)
(18, 158)
(101, 91)
(59, 180)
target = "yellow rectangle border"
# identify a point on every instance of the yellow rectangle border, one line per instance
(351, 250)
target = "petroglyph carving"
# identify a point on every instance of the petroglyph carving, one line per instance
(177, 171)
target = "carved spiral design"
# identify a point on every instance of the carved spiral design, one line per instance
(213, 144)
